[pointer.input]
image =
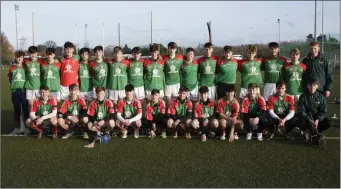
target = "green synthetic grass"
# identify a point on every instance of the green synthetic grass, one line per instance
(27, 162)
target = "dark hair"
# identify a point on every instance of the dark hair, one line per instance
(252, 48)
(117, 49)
(83, 50)
(73, 86)
(136, 50)
(230, 88)
(153, 48)
(98, 48)
(32, 49)
(19, 53)
(44, 87)
(189, 50)
(208, 45)
(99, 89)
(68, 44)
(273, 45)
(227, 48)
(203, 89)
(155, 91)
(314, 43)
(183, 89)
(172, 45)
(129, 88)
(50, 51)
(252, 86)
(281, 83)
(312, 82)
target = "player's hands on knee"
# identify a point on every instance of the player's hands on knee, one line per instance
(126, 122)
(74, 119)
(175, 123)
(39, 121)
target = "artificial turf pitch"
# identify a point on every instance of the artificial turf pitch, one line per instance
(27, 162)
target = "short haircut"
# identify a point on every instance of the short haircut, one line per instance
(252, 48)
(50, 51)
(136, 50)
(73, 86)
(117, 49)
(32, 49)
(172, 45)
(227, 48)
(183, 89)
(203, 89)
(155, 91)
(281, 84)
(252, 86)
(314, 43)
(296, 51)
(44, 87)
(19, 53)
(153, 48)
(99, 89)
(98, 48)
(312, 82)
(273, 45)
(190, 49)
(68, 44)
(83, 50)
(208, 45)
(129, 88)
(230, 88)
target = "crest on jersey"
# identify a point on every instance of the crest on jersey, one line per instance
(85, 73)
(127, 114)
(280, 110)
(155, 73)
(137, 71)
(253, 70)
(228, 113)
(101, 72)
(273, 68)
(50, 74)
(117, 72)
(19, 77)
(205, 115)
(33, 71)
(100, 115)
(295, 76)
(68, 68)
(45, 113)
(208, 69)
(75, 112)
(172, 69)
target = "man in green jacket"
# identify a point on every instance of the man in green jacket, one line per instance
(318, 68)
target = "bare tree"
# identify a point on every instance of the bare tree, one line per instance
(50, 44)
(7, 50)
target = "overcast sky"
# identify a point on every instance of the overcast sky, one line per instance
(232, 22)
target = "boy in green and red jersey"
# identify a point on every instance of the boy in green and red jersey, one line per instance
(68, 70)
(250, 70)
(50, 72)
(135, 74)
(129, 113)
(117, 78)
(207, 70)
(293, 73)
(228, 110)
(272, 67)
(180, 113)
(99, 71)
(17, 78)
(173, 63)
(154, 77)
(189, 75)
(43, 113)
(227, 68)
(73, 113)
(204, 114)
(85, 79)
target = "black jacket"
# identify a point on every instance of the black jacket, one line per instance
(318, 68)
(315, 104)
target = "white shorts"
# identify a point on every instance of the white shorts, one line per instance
(55, 95)
(194, 94)
(116, 95)
(212, 93)
(86, 95)
(148, 94)
(172, 90)
(269, 89)
(94, 93)
(32, 94)
(139, 93)
(64, 92)
(244, 92)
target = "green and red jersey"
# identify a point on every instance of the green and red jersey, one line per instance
(293, 74)
(250, 72)
(154, 77)
(117, 78)
(207, 70)
(272, 67)
(135, 72)
(85, 79)
(253, 107)
(281, 105)
(189, 75)
(226, 71)
(99, 72)
(204, 109)
(42, 109)
(50, 73)
(180, 108)
(73, 107)
(172, 68)
(32, 68)
(155, 109)
(101, 110)
(129, 110)
(69, 70)
(228, 108)
(16, 76)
